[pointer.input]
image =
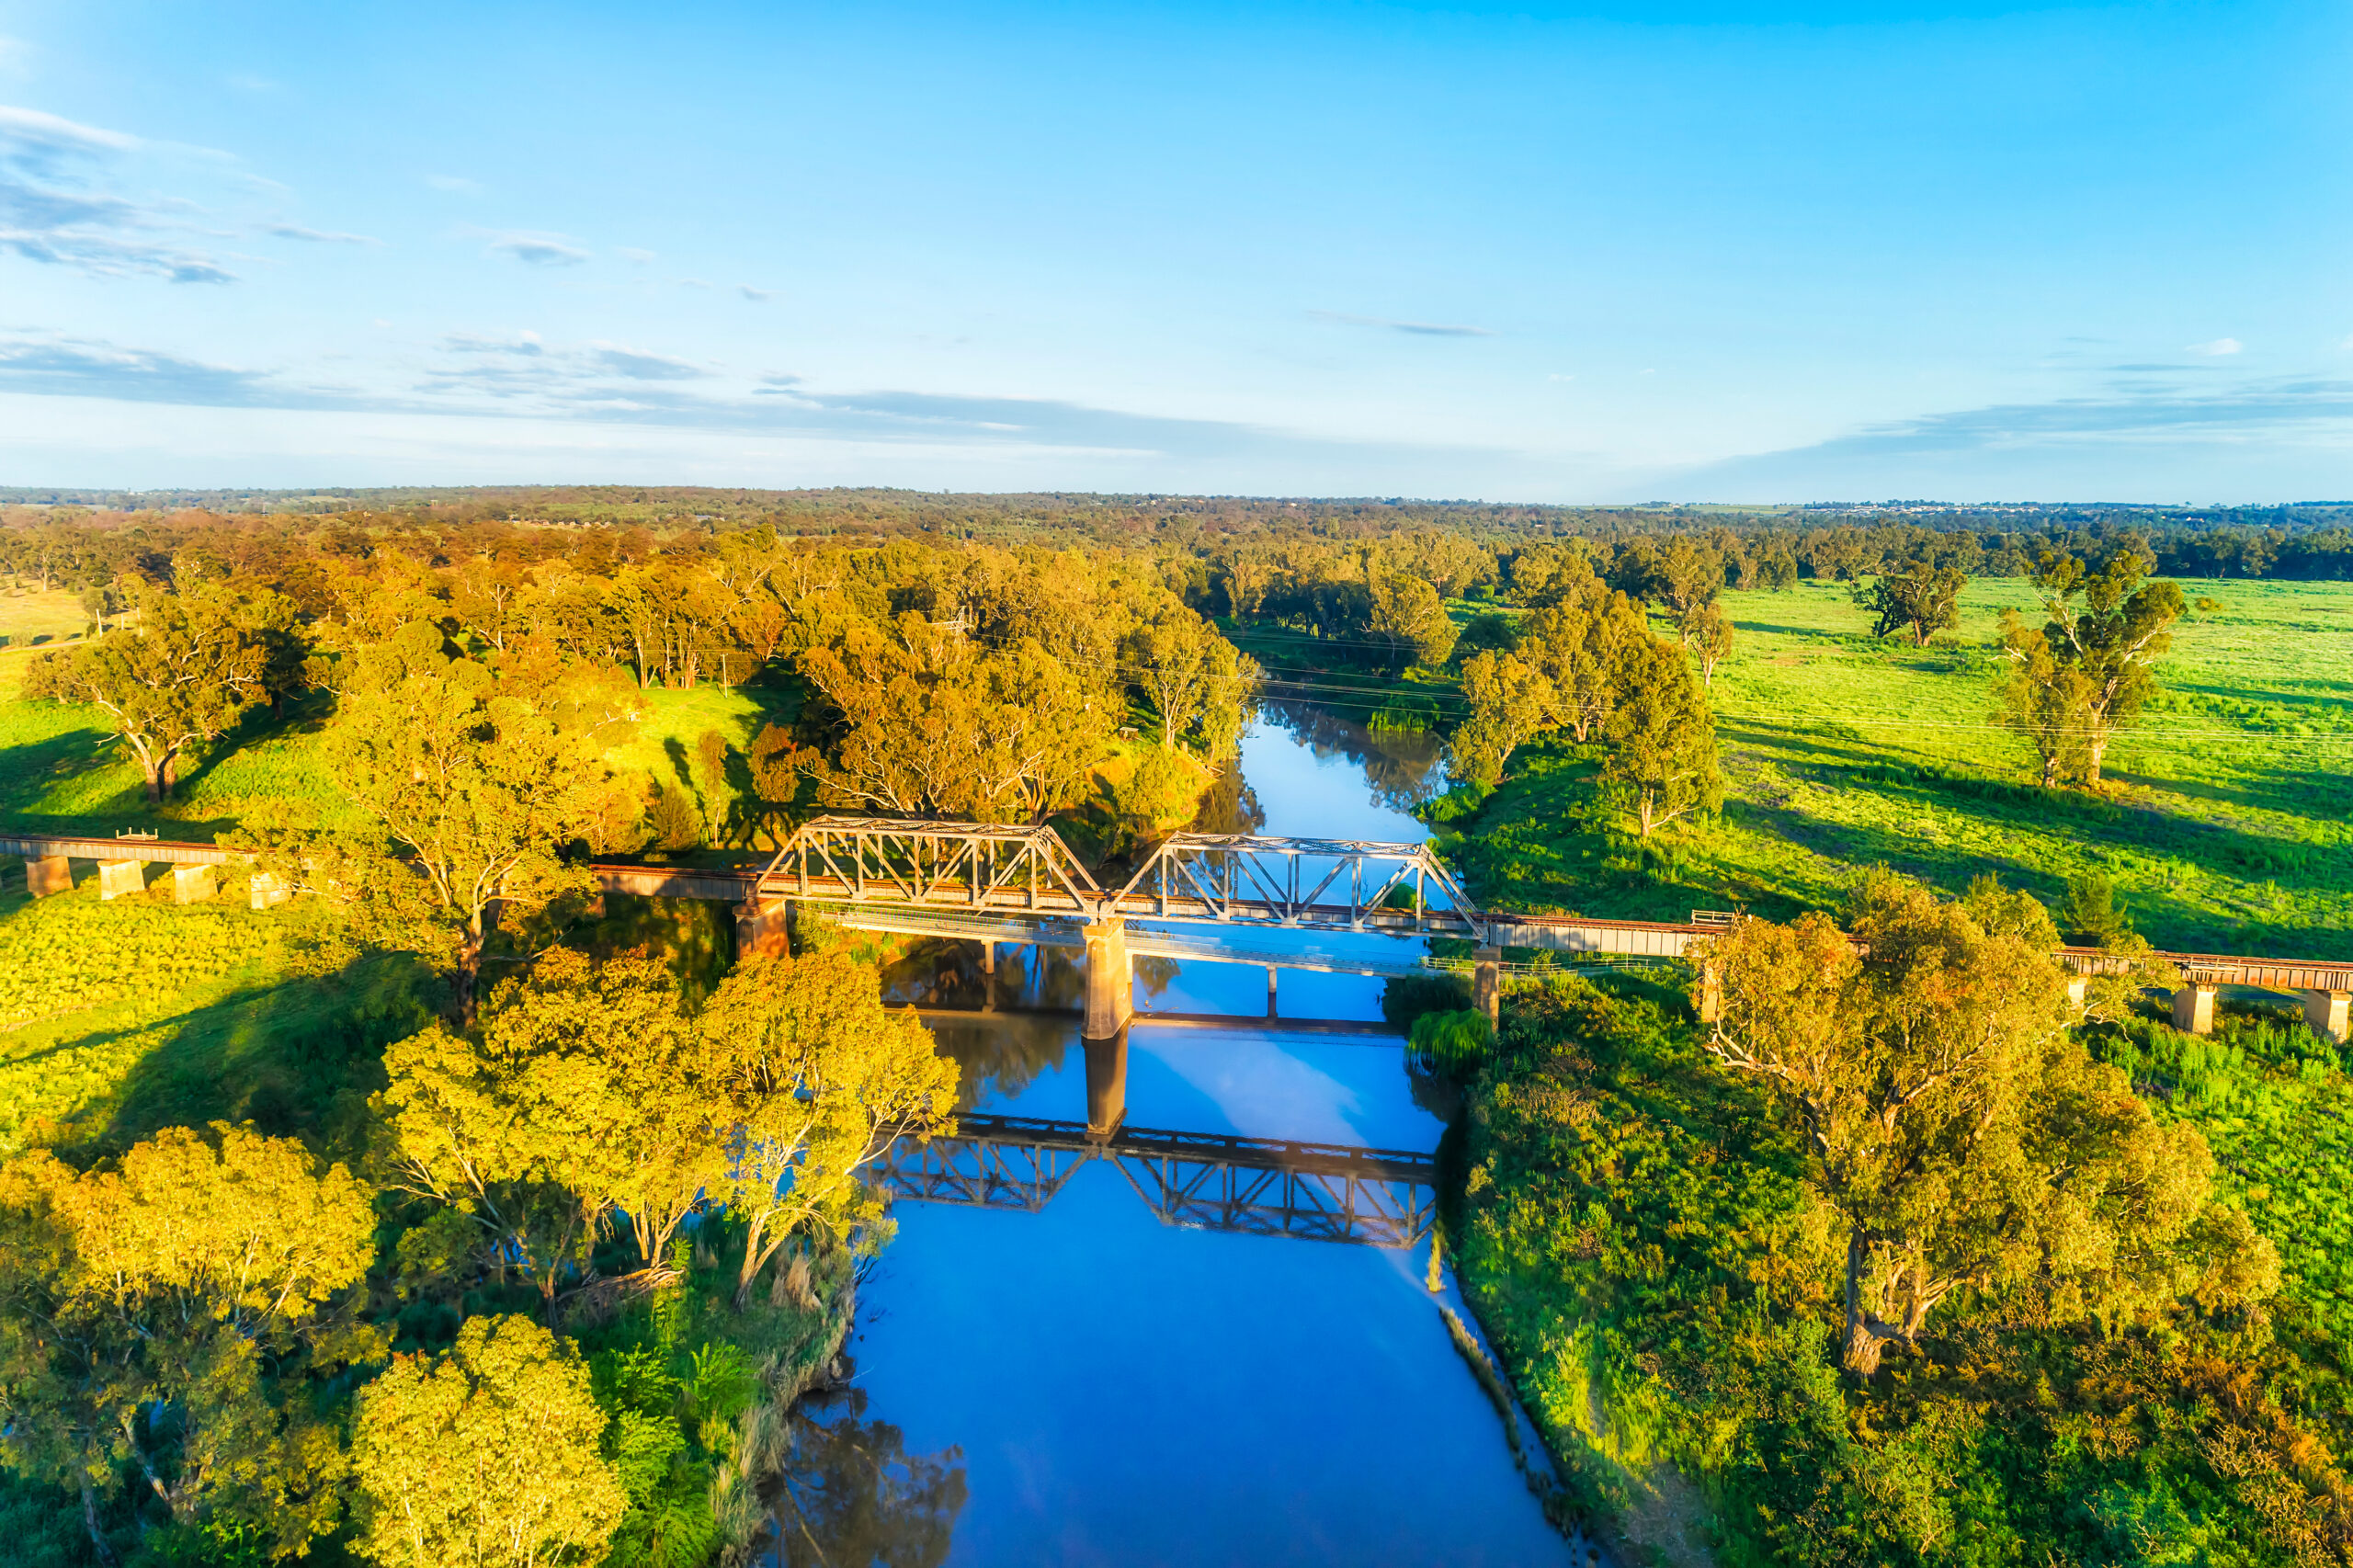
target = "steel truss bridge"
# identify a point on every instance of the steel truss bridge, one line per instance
(1328, 884)
(882, 870)
(1259, 1187)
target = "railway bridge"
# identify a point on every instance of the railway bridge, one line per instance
(992, 883)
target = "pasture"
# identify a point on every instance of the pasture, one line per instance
(2224, 826)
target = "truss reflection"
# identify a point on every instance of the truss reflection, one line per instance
(1263, 1186)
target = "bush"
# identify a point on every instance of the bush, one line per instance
(1454, 1044)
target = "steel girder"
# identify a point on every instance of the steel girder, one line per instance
(938, 865)
(1325, 884)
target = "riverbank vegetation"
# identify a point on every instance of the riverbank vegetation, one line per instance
(577, 1267)
(1752, 1334)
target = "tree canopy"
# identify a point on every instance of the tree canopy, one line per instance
(180, 675)
(466, 783)
(1960, 1133)
(489, 1456)
(2082, 675)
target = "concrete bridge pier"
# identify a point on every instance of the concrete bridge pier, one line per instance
(1487, 981)
(49, 874)
(2193, 1008)
(1106, 1084)
(117, 878)
(2327, 1013)
(1110, 979)
(1270, 993)
(763, 926)
(1110, 1002)
(192, 884)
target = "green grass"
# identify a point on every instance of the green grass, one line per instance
(1841, 750)
(120, 1017)
(29, 616)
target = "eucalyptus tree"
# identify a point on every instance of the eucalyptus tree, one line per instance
(1958, 1130)
(181, 675)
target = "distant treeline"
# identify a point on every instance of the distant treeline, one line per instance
(2305, 540)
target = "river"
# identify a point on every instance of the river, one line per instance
(1086, 1385)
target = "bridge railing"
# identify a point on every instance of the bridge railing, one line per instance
(1243, 880)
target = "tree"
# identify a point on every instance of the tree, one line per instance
(1706, 631)
(1509, 702)
(823, 1081)
(1198, 683)
(468, 781)
(486, 1456)
(183, 676)
(1662, 741)
(163, 1314)
(596, 1082)
(1957, 1130)
(2091, 914)
(2085, 676)
(1584, 643)
(709, 762)
(1408, 614)
(582, 1079)
(1923, 598)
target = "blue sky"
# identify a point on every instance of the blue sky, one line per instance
(1781, 251)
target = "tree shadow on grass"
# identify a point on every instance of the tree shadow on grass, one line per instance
(297, 1057)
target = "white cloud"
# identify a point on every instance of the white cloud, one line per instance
(55, 210)
(318, 236)
(541, 250)
(454, 183)
(757, 296)
(630, 253)
(2217, 350)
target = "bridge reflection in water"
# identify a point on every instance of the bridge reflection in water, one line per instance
(1261, 1186)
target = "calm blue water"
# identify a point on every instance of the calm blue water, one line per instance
(1126, 1392)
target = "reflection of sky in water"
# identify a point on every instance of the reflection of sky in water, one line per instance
(1129, 1393)
(1310, 797)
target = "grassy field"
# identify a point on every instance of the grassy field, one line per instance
(29, 616)
(2225, 828)
(120, 1017)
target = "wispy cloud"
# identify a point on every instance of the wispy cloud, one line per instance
(54, 209)
(457, 185)
(1420, 328)
(2220, 349)
(70, 366)
(2131, 425)
(318, 236)
(630, 253)
(757, 296)
(541, 250)
(642, 366)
